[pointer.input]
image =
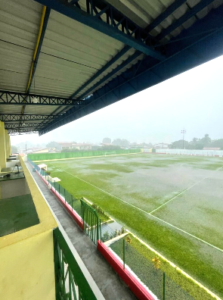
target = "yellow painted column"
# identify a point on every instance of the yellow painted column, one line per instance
(2, 146)
(6, 143)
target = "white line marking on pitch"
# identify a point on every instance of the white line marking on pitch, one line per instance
(145, 212)
(184, 191)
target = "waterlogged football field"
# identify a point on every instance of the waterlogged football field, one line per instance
(174, 203)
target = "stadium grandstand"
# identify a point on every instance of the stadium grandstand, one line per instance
(61, 60)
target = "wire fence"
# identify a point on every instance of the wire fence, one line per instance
(149, 272)
(46, 156)
(70, 199)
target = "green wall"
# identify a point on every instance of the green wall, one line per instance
(47, 156)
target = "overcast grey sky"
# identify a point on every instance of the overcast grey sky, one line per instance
(192, 100)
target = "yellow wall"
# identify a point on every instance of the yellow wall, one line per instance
(26, 256)
(27, 269)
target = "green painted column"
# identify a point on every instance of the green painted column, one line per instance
(2, 146)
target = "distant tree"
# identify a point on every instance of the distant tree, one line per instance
(53, 145)
(14, 149)
(206, 140)
(121, 142)
(179, 144)
(125, 143)
(117, 142)
(109, 147)
(106, 140)
(217, 143)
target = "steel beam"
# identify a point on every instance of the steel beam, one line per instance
(12, 118)
(193, 11)
(24, 125)
(168, 11)
(182, 55)
(115, 24)
(156, 22)
(16, 132)
(11, 98)
(174, 6)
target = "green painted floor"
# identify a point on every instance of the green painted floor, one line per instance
(17, 213)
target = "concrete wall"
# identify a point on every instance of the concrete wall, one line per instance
(27, 269)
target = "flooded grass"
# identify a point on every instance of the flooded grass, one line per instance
(129, 187)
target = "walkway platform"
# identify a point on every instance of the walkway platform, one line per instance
(109, 283)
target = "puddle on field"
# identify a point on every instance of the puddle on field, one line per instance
(110, 227)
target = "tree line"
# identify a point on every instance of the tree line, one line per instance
(196, 143)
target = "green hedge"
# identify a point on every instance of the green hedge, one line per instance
(47, 156)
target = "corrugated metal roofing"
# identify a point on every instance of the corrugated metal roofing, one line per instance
(72, 52)
(19, 25)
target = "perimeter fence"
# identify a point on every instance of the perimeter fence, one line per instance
(49, 156)
(148, 271)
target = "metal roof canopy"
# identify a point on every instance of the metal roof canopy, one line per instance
(69, 58)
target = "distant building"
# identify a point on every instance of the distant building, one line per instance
(140, 146)
(212, 148)
(161, 146)
(82, 146)
(45, 150)
(65, 145)
(36, 150)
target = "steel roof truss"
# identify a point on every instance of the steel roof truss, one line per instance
(10, 118)
(12, 98)
(115, 24)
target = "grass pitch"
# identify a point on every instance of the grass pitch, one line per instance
(173, 203)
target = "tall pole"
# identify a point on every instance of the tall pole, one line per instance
(183, 131)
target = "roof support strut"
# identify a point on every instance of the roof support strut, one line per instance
(105, 18)
(12, 118)
(12, 98)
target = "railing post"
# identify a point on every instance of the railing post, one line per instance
(97, 228)
(124, 253)
(56, 270)
(164, 285)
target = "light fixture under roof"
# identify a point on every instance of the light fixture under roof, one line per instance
(35, 100)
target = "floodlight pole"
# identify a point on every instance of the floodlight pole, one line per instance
(183, 131)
